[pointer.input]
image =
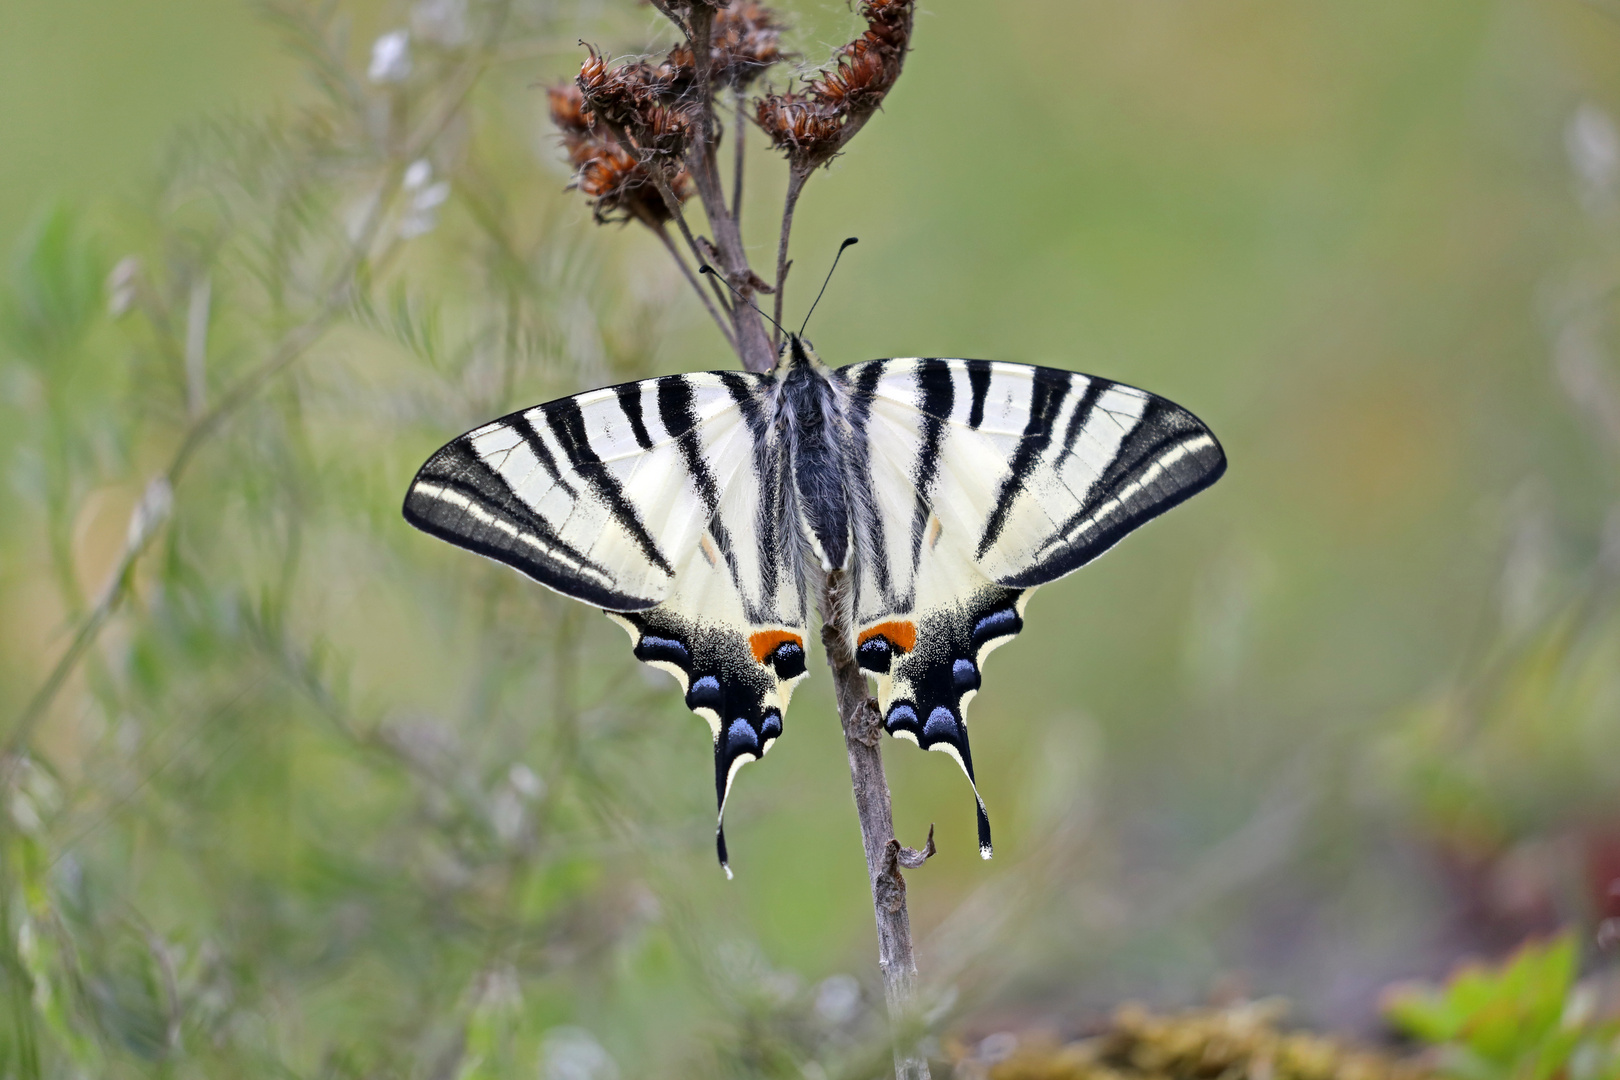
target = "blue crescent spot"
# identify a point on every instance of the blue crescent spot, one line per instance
(965, 676)
(901, 717)
(705, 692)
(996, 624)
(771, 727)
(740, 736)
(658, 648)
(941, 725)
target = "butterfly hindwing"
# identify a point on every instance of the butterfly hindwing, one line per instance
(732, 631)
(986, 480)
(660, 502)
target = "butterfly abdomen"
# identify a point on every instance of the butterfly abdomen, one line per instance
(811, 422)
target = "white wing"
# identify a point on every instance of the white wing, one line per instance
(661, 502)
(987, 480)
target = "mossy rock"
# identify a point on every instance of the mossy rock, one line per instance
(1239, 1042)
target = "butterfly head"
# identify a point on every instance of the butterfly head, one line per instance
(796, 352)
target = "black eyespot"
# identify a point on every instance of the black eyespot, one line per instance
(965, 676)
(875, 655)
(788, 660)
(704, 694)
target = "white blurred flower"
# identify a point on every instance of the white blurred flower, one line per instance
(572, 1053)
(443, 22)
(507, 815)
(997, 1047)
(1593, 146)
(34, 797)
(390, 57)
(153, 509)
(417, 174)
(121, 285)
(524, 782)
(838, 1000)
(421, 215)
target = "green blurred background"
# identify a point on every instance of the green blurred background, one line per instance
(1352, 715)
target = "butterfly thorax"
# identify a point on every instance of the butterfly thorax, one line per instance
(815, 430)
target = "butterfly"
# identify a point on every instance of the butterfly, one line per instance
(698, 510)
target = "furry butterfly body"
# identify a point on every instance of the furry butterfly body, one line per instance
(697, 510)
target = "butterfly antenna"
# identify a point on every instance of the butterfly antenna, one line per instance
(834, 266)
(707, 269)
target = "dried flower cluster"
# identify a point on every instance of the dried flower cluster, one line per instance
(744, 41)
(811, 127)
(618, 185)
(621, 122)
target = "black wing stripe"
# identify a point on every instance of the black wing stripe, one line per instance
(770, 477)
(679, 417)
(1046, 402)
(629, 395)
(520, 423)
(567, 424)
(1167, 440)
(1080, 417)
(936, 395)
(456, 485)
(979, 377)
(860, 417)
(677, 412)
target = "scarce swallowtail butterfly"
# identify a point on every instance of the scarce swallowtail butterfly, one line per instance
(698, 510)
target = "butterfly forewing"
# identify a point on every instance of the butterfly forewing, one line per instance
(594, 495)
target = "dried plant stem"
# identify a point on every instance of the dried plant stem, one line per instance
(672, 203)
(686, 271)
(724, 250)
(863, 734)
(753, 344)
(797, 175)
(739, 126)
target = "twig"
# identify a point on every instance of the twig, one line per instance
(686, 271)
(753, 345)
(862, 726)
(863, 732)
(671, 203)
(738, 128)
(797, 176)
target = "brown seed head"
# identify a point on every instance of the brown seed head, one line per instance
(813, 126)
(618, 185)
(568, 110)
(744, 42)
(619, 94)
(803, 127)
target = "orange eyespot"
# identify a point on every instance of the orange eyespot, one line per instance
(901, 635)
(764, 643)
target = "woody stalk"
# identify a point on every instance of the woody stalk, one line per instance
(645, 137)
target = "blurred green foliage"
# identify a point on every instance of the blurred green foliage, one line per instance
(323, 797)
(1525, 1019)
